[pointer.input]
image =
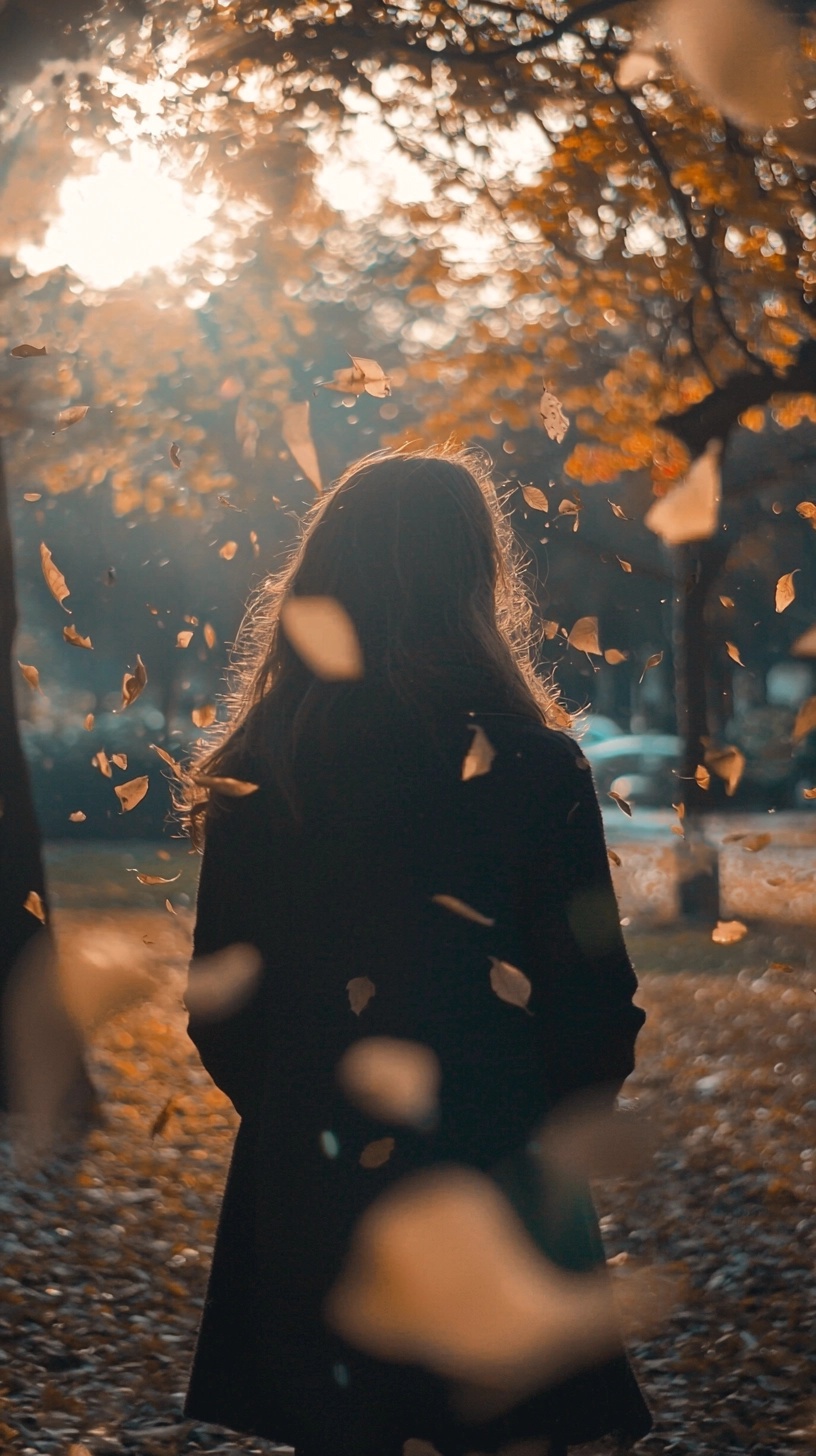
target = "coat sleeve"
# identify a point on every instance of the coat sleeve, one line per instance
(582, 976)
(231, 1047)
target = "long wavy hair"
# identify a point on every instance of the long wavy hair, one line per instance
(418, 549)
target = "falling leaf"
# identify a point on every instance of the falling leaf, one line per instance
(166, 757)
(733, 653)
(640, 64)
(728, 932)
(209, 635)
(55, 580)
(89, 721)
(232, 788)
(480, 755)
(154, 879)
(450, 902)
(163, 1117)
(626, 565)
(535, 498)
(247, 431)
(653, 661)
(376, 1153)
(365, 375)
(741, 55)
(324, 637)
(785, 591)
(33, 903)
(71, 416)
(568, 507)
(805, 719)
(615, 858)
(621, 802)
(691, 511)
(614, 656)
(170, 907)
(360, 991)
(32, 495)
(618, 510)
(509, 983)
(554, 420)
(120, 759)
(220, 984)
(297, 437)
(175, 455)
(228, 550)
(809, 793)
(584, 636)
(805, 646)
(728, 763)
(133, 683)
(100, 761)
(780, 966)
(131, 793)
(77, 817)
(183, 639)
(549, 630)
(203, 717)
(702, 777)
(31, 675)
(71, 635)
(756, 842)
(27, 351)
(807, 509)
(392, 1079)
(224, 500)
(727, 601)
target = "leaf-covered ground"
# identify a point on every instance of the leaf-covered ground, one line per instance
(104, 1255)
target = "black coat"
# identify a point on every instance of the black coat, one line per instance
(388, 823)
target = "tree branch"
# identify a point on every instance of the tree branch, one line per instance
(714, 417)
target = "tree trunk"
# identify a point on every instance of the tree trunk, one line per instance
(697, 567)
(21, 859)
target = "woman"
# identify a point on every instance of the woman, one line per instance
(330, 869)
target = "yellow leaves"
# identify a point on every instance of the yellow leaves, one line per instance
(231, 788)
(55, 581)
(133, 683)
(297, 437)
(624, 565)
(653, 661)
(33, 903)
(89, 722)
(31, 675)
(727, 763)
(733, 653)
(323, 635)
(120, 759)
(360, 991)
(132, 793)
(71, 416)
(376, 1153)
(584, 636)
(27, 351)
(171, 762)
(549, 630)
(510, 984)
(613, 656)
(622, 803)
(728, 932)
(785, 591)
(702, 777)
(209, 635)
(71, 635)
(805, 720)
(618, 510)
(393, 1079)
(203, 717)
(728, 602)
(183, 639)
(228, 550)
(691, 511)
(807, 510)
(175, 455)
(480, 755)
(553, 418)
(459, 907)
(77, 817)
(535, 498)
(570, 508)
(753, 419)
(364, 376)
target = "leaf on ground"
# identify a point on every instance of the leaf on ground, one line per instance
(459, 907)
(376, 1153)
(162, 1118)
(297, 437)
(323, 635)
(132, 793)
(728, 932)
(480, 755)
(54, 578)
(553, 418)
(33, 903)
(509, 983)
(584, 636)
(133, 683)
(31, 675)
(756, 842)
(75, 638)
(360, 991)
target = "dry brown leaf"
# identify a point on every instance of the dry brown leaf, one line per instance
(756, 842)
(809, 793)
(728, 932)
(459, 907)
(360, 991)
(183, 639)
(625, 565)
(89, 722)
(376, 1153)
(232, 788)
(510, 984)
(163, 1117)
(155, 879)
(653, 661)
(175, 455)
(727, 601)
(549, 630)
(615, 858)
(584, 636)
(728, 763)
(100, 761)
(479, 758)
(618, 510)
(228, 550)
(733, 653)
(132, 793)
(535, 498)
(133, 683)
(554, 420)
(166, 757)
(785, 591)
(33, 903)
(32, 495)
(741, 55)
(54, 578)
(364, 376)
(621, 802)
(392, 1079)
(204, 716)
(77, 817)
(780, 966)
(209, 635)
(324, 637)
(805, 719)
(702, 777)
(807, 509)
(297, 437)
(691, 510)
(27, 351)
(120, 759)
(31, 675)
(613, 656)
(71, 635)
(71, 416)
